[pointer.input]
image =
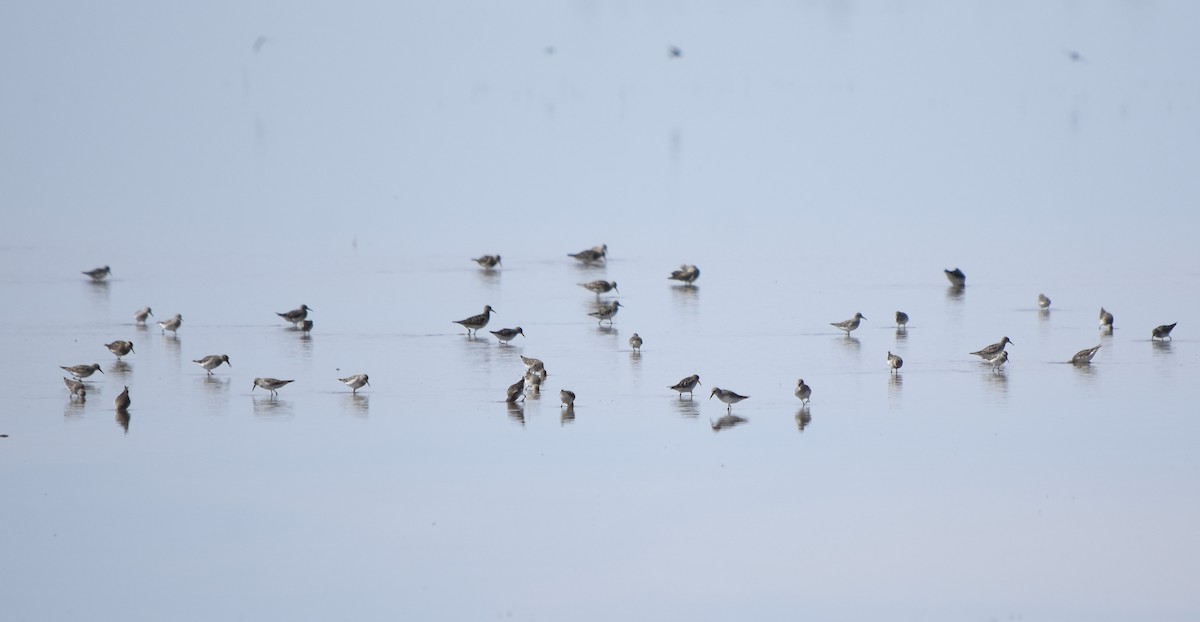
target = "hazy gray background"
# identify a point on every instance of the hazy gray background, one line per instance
(814, 159)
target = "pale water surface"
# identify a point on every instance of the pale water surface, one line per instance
(813, 159)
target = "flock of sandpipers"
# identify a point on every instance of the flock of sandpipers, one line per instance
(995, 354)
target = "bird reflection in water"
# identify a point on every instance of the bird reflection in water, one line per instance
(998, 382)
(568, 415)
(728, 421)
(120, 368)
(895, 384)
(851, 343)
(803, 418)
(516, 412)
(74, 408)
(955, 293)
(358, 404)
(1161, 346)
(272, 406)
(901, 334)
(688, 409)
(123, 420)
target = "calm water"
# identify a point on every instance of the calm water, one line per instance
(805, 190)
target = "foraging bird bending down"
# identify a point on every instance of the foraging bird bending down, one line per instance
(956, 277)
(894, 362)
(686, 273)
(488, 261)
(1162, 332)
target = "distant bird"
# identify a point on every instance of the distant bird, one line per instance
(592, 255)
(120, 348)
(212, 362)
(76, 388)
(1043, 301)
(600, 287)
(686, 273)
(271, 384)
(1106, 320)
(901, 319)
(728, 421)
(687, 385)
(476, 322)
(1162, 332)
(803, 391)
(567, 397)
(506, 335)
(356, 382)
(674, 52)
(122, 401)
(1074, 56)
(83, 371)
(849, 324)
(894, 362)
(259, 43)
(992, 350)
(99, 274)
(606, 312)
(295, 316)
(488, 261)
(635, 342)
(306, 326)
(516, 391)
(956, 277)
(172, 324)
(998, 360)
(140, 315)
(1083, 357)
(729, 397)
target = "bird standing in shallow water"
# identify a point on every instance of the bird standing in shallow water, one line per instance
(476, 322)
(901, 319)
(998, 360)
(83, 371)
(1162, 332)
(120, 348)
(993, 350)
(849, 324)
(687, 385)
(271, 384)
(515, 391)
(356, 382)
(803, 391)
(99, 274)
(172, 324)
(600, 287)
(592, 255)
(686, 273)
(488, 261)
(894, 362)
(295, 316)
(1043, 301)
(122, 401)
(635, 342)
(212, 362)
(76, 388)
(506, 335)
(567, 398)
(729, 397)
(1083, 357)
(956, 277)
(1106, 320)
(606, 312)
(140, 315)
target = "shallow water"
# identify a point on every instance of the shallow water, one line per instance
(947, 491)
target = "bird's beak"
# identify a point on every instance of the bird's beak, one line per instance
(368, 383)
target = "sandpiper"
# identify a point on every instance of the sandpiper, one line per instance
(901, 319)
(567, 397)
(729, 397)
(803, 391)
(894, 362)
(1106, 320)
(993, 350)
(1043, 301)
(606, 312)
(534, 365)
(122, 401)
(356, 382)
(1083, 357)
(997, 360)
(849, 324)
(533, 382)
(488, 261)
(728, 421)
(140, 315)
(687, 385)
(212, 362)
(120, 348)
(306, 326)
(686, 273)
(295, 316)
(635, 342)
(506, 335)
(171, 324)
(1162, 332)
(83, 371)
(76, 388)
(592, 255)
(476, 322)
(271, 384)
(600, 287)
(515, 391)
(99, 274)
(956, 277)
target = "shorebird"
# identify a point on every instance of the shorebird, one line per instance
(515, 391)
(306, 326)
(122, 401)
(99, 274)
(533, 382)
(901, 319)
(687, 385)
(849, 324)
(140, 315)
(600, 287)
(270, 384)
(76, 388)
(1162, 332)
(212, 362)
(476, 322)
(488, 261)
(567, 397)
(83, 371)
(534, 365)
(729, 397)
(956, 277)
(894, 362)
(356, 382)
(998, 360)
(1043, 301)
(993, 350)
(506, 335)
(1106, 320)
(728, 421)
(803, 391)
(592, 255)
(635, 342)
(674, 52)
(295, 316)
(606, 312)
(686, 273)
(120, 348)
(171, 324)
(1083, 357)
